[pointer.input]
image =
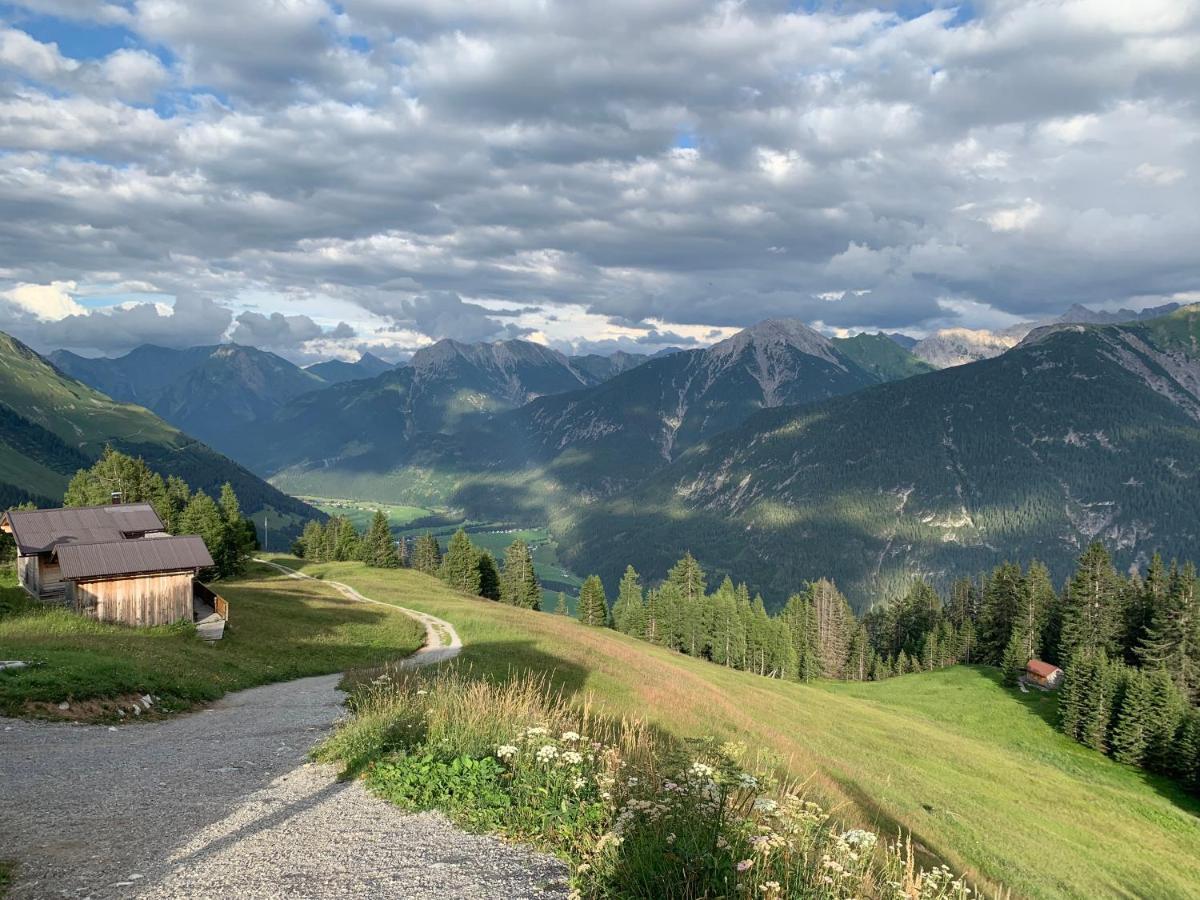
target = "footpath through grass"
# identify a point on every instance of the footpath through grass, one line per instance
(280, 629)
(977, 773)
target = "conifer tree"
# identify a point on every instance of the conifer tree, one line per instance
(427, 555)
(1091, 614)
(834, 625)
(379, 549)
(489, 575)
(801, 620)
(1015, 658)
(902, 663)
(592, 608)
(560, 608)
(116, 472)
(311, 545)
(1086, 705)
(1036, 599)
(1166, 707)
(203, 517)
(238, 540)
(1172, 638)
(460, 566)
(1131, 732)
(629, 610)
(1004, 596)
(519, 584)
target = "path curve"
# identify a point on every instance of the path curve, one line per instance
(223, 803)
(441, 640)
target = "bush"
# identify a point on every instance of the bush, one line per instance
(636, 813)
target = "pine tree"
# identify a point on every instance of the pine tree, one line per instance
(460, 567)
(834, 625)
(1171, 640)
(629, 610)
(801, 620)
(902, 663)
(238, 540)
(1003, 599)
(560, 608)
(592, 608)
(379, 549)
(427, 555)
(1015, 658)
(311, 545)
(203, 517)
(1086, 705)
(687, 624)
(519, 582)
(118, 473)
(1091, 614)
(1036, 600)
(489, 575)
(1165, 712)
(1131, 734)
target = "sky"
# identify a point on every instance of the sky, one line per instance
(320, 178)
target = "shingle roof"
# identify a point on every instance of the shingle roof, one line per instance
(1041, 669)
(39, 530)
(168, 554)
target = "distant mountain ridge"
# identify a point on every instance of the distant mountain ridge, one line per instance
(335, 371)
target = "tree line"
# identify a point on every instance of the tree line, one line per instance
(464, 566)
(229, 536)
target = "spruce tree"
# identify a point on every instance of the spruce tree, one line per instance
(203, 517)
(311, 545)
(379, 549)
(460, 567)
(1166, 708)
(427, 555)
(1015, 658)
(489, 575)
(629, 611)
(1131, 733)
(1003, 599)
(801, 620)
(519, 582)
(1036, 601)
(592, 608)
(1091, 613)
(560, 608)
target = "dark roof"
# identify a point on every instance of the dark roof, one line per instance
(1041, 669)
(39, 530)
(168, 554)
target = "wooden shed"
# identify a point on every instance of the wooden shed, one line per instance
(1043, 674)
(115, 563)
(137, 582)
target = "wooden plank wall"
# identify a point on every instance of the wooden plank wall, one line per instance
(27, 573)
(139, 600)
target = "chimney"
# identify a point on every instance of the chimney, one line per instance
(115, 499)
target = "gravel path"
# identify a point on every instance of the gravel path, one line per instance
(221, 803)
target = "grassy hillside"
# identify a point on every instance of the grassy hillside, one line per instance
(976, 772)
(52, 425)
(280, 629)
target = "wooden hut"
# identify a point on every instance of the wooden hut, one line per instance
(115, 563)
(1043, 674)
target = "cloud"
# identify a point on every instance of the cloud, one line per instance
(44, 301)
(113, 330)
(275, 330)
(691, 165)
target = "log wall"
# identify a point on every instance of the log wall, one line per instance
(136, 600)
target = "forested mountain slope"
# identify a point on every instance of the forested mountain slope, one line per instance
(592, 441)
(214, 393)
(52, 425)
(1081, 433)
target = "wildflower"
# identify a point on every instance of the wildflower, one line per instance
(747, 780)
(536, 730)
(422, 693)
(859, 839)
(504, 751)
(632, 781)
(572, 758)
(578, 783)
(744, 865)
(722, 843)
(671, 838)
(701, 770)
(547, 753)
(571, 736)
(765, 805)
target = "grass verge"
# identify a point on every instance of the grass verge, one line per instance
(637, 813)
(280, 629)
(976, 773)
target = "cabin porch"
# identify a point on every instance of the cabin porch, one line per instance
(210, 612)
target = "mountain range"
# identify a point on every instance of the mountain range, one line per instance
(335, 371)
(51, 425)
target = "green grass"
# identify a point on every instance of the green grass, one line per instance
(280, 629)
(6, 873)
(977, 773)
(360, 512)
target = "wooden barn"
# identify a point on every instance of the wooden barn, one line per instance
(1043, 674)
(115, 563)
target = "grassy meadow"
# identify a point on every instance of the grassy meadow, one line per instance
(977, 773)
(279, 629)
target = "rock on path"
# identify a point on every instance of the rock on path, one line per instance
(221, 803)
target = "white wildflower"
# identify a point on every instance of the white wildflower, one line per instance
(747, 780)
(546, 753)
(570, 757)
(570, 736)
(765, 805)
(504, 751)
(701, 770)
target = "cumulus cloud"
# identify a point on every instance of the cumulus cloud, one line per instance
(275, 330)
(43, 301)
(687, 164)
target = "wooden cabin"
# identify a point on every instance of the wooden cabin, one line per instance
(115, 563)
(1043, 674)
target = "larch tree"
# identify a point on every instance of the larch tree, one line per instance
(629, 610)
(427, 555)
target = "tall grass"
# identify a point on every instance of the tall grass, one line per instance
(636, 812)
